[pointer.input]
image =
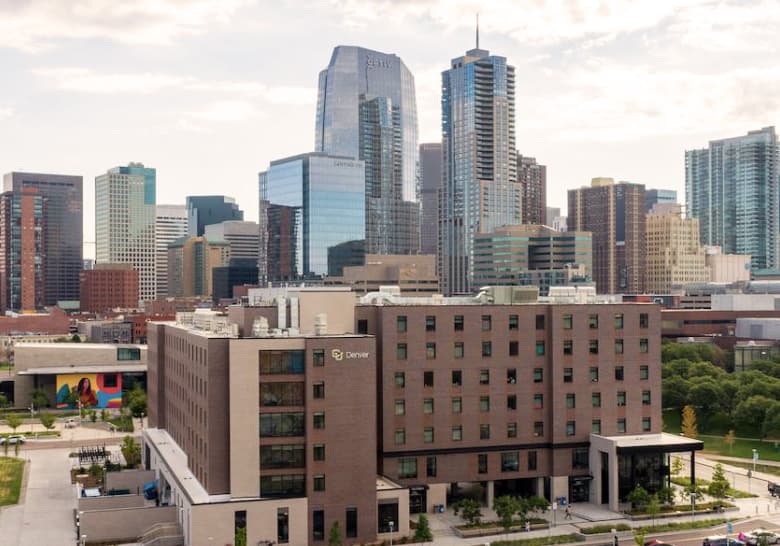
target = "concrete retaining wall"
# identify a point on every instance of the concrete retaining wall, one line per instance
(111, 503)
(123, 524)
(133, 480)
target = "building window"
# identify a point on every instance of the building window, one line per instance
(484, 403)
(430, 466)
(430, 323)
(568, 375)
(407, 468)
(319, 390)
(428, 405)
(646, 398)
(511, 376)
(318, 358)
(570, 400)
(286, 485)
(487, 348)
(514, 323)
(621, 426)
(400, 436)
(618, 321)
(484, 432)
(400, 407)
(644, 320)
(539, 348)
(283, 456)
(278, 425)
(484, 377)
(595, 426)
(319, 420)
(318, 525)
(538, 375)
(430, 350)
(618, 346)
(568, 347)
(457, 433)
(644, 372)
(511, 402)
(428, 435)
(539, 428)
(319, 482)
(510, 462)
(362, 326)
(428, 379)
(281, 362)
(284, 393)
(593, 322)
(511, 430)
(580, 458)
(487, 323)
(568, 322)
(618, 373)
(593, 346)
(621, 398)
(458, 323)
(595, 399)
(352, 522)
(400, 380)
(540, 322)
(514, 348)
(457, 405)
(458, 349)
(400, 323)
(532, 460)
(538, 401)
(594, 374)
(128, 353)
(644, 346)
(282, 525)
(571, 428)
(646, 424)
(400, 351)
(318, 452)
(482, 463)
(457, 378)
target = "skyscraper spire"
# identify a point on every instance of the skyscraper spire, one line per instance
(477, 30)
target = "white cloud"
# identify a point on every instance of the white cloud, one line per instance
(225, 111)
(84, 80)
(33, 25)
(6, 112)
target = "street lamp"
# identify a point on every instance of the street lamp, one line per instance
(391, 524)
(83, 540)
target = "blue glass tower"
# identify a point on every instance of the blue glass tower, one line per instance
(480, 191)
(312, 212)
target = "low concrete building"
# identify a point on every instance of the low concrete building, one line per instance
(727, 267)
(413, 274)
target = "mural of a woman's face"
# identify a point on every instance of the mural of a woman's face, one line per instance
(86, 386)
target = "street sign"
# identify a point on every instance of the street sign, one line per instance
(755, 454)
(729, 527)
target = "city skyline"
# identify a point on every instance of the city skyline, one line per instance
(597, 86)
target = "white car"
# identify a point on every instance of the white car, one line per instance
(15, 439)
(757, 536)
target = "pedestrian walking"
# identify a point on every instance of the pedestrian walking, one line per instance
(568, 513)
(527, 526)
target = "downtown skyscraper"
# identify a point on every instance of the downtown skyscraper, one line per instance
(480, 191)
(733, 187)
(366, 109)
(125, 218)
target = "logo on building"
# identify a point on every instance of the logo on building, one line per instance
(337, 354)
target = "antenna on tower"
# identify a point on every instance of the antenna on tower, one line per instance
(477, 30)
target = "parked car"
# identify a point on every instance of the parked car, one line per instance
(71, 423)
(656, 542)
(15, 439)
(722, 541)
(754, 537)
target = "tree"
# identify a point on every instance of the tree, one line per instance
(729, 439)
(677, 466)
(505, 507)
(75, 338)
(751, 413)
(104, 415)
(674, 393)
(39, 398)
(639, 497)
(4, 403)
(529, 505)
(470, 511)
(653, 507)
(688, 425)
(136, 402)
(719, 486)
(131, 451)
(47, 420)
(639, 537)
(13, 420)
(422, 532)
(334, 538)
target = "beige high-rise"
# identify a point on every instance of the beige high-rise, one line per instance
(674, 255)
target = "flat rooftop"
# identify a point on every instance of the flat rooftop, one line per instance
(84, 368)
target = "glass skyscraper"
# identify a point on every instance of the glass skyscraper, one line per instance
(480, 191)
(125, 217)
(205, 210)
(366, 109)
(733, 188)
(312, 212)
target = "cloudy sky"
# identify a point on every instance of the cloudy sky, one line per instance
(209, 91)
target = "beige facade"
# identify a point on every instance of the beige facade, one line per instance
(674, 255)
(190, 264)
(413, 274)
(727, 267)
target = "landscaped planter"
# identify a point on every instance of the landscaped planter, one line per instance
(678, 513)
(495, 530)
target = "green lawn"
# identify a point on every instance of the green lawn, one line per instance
(10, 480)
(766, 469)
